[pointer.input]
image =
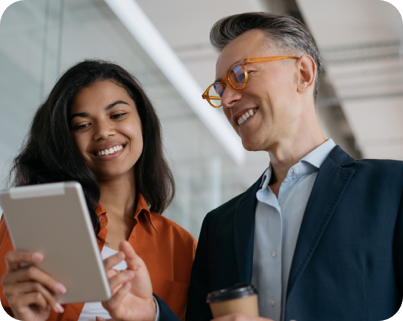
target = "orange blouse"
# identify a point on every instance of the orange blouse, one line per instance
(166, 248)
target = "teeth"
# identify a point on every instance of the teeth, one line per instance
(109, 151)
(245, 116)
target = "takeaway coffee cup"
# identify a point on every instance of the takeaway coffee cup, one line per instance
(241, 298)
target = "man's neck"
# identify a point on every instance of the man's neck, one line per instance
(287, 154)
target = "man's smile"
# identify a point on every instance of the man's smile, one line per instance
(245, 115)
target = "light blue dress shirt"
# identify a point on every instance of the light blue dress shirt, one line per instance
(277, 224)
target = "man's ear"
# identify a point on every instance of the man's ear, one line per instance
(306, 73)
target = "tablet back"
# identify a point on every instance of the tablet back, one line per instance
(53, 219)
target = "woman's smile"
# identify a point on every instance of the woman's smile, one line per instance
(109, 151)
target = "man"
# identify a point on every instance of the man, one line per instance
(320, 234)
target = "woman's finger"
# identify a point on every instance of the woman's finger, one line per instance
(15, 258)
(21, 302)
(32, 273)
(134, 262)
(113, 260)
(113, 303)
(31, 287)
(111, 273)
(118, 280)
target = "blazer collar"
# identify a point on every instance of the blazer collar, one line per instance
(331, 182)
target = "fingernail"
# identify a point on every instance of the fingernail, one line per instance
(118, 255)
(100, 319)
(37, 257)
(129, 274)
(59, 308)
(60, 289)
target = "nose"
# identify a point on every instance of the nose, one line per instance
(230, 97)
(103, 129)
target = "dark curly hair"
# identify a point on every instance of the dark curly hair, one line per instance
(50, 154)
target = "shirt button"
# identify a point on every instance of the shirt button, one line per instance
(274, 254)
(272, 302)
(296, 171)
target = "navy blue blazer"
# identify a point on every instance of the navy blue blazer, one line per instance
(348, 261)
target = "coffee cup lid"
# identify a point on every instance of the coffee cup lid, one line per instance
(238, 291)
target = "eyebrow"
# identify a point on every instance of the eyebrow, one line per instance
(109, 107)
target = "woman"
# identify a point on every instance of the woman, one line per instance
(98, 127)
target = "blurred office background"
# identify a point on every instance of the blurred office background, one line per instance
(165, 44)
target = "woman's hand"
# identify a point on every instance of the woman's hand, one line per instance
(132, 294)
(30, 291)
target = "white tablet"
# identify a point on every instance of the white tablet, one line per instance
(53, 219)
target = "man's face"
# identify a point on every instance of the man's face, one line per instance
(270, 94)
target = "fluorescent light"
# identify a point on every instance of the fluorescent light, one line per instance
(149, 38)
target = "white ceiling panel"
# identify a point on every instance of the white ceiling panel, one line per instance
(360, 43)
(351, 22)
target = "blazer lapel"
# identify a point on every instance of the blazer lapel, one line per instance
(328, 189)
(244, 226)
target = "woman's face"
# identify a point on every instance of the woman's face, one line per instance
(107, 129)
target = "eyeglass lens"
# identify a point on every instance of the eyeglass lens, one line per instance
(215, 92)
(237, 79)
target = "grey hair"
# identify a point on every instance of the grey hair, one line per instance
(287, 33)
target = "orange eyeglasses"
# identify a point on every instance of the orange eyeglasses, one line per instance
(237, 77)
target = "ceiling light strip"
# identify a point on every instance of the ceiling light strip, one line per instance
(152, 42)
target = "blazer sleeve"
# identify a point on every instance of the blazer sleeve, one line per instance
(398, 249)
(197, 308)
(166, 313)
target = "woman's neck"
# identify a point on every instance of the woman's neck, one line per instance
(118, 196)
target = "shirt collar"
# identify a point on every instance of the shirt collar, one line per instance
(142, 207)
(315, 158)
(100, 210)
(319, 154)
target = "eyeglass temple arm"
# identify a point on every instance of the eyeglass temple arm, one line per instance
(264, 59)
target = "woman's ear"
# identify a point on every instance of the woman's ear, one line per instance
(306, 73)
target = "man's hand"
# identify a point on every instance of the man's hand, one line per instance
(132, 294)
(239, 317)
